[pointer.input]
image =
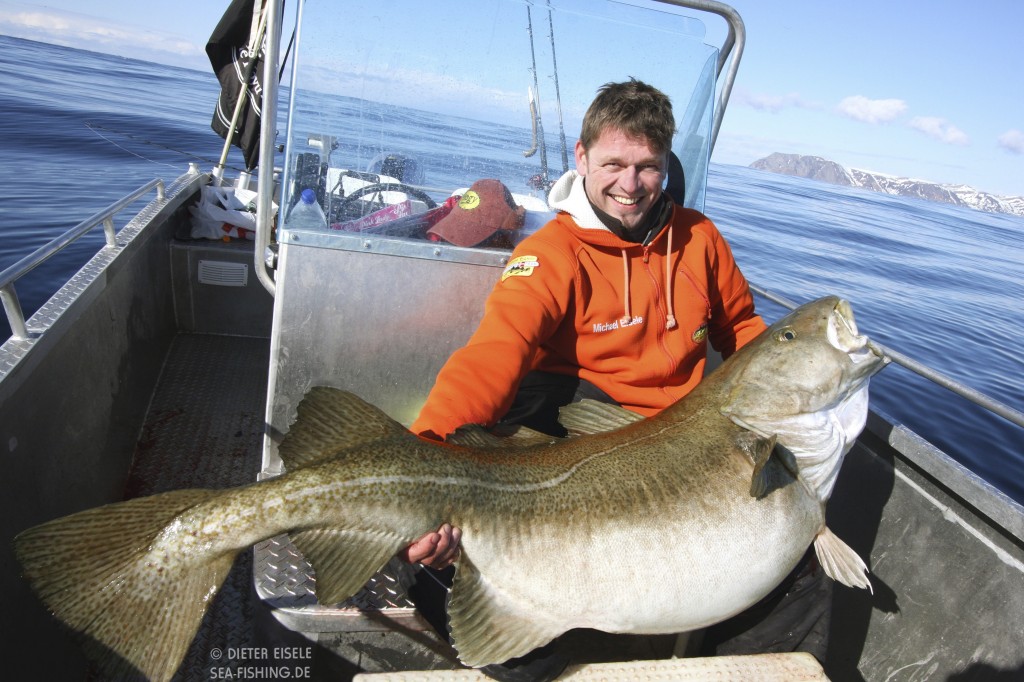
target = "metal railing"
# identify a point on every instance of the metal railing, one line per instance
(977, 397)
(8, 278)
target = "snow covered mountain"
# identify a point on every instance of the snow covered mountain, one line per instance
(816, 168)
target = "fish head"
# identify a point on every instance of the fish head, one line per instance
(804, 381)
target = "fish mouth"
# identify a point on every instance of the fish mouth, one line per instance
(843, 334)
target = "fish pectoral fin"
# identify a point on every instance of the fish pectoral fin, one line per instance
(840, 562)
(760, 452)
(592, 416)
(344, 560)
(94, 570)
(331, 420)
(486, 626)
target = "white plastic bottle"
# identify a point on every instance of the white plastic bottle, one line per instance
(307, 214)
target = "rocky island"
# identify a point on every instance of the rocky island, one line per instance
(816, 168)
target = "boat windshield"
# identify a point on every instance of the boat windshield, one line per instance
(394, 107)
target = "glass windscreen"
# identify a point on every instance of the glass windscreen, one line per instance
(398, 109)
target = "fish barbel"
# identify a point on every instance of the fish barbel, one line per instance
(718, 497)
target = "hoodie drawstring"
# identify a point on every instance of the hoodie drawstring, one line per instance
(627, 317)
(670, 321)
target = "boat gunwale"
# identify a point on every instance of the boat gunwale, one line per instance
(991, 506)
(45, 324)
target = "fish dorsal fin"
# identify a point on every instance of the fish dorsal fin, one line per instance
(490, 626)
(473, 435)
(330, 420)
(524, 436)
(344, 560)
(840, 562)
(592, 416)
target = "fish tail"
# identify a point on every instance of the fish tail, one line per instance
(94, 570)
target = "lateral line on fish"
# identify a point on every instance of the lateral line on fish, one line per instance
(487, 485)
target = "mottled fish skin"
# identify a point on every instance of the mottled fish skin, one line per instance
(661, 525)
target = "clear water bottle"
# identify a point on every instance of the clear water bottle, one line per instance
(307, 214)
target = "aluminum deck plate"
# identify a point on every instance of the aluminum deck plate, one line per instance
(204, 427)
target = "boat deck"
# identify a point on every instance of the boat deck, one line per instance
(204, 427)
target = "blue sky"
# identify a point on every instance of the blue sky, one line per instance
(928, 89)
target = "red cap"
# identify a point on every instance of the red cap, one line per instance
(483, 210)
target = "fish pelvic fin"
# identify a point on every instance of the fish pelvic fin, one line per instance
(486, 626)
(840, 562)
(93, 571)
(331, 420)
(344, 560)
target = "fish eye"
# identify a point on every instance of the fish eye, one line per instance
(786, 334)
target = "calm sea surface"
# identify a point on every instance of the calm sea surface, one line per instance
(940, 284)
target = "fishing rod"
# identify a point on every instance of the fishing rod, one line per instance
(558, 94)
(538, 126)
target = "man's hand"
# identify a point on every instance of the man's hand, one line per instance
(436, 550)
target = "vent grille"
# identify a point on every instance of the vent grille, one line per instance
(223, 274)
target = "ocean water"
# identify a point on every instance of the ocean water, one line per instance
(942, 285)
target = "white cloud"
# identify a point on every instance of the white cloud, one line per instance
(1012, 141)
(940, 129)
(861, 108)
(769, 103)
(72, 29)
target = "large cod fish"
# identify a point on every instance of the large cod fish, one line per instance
(717, 498)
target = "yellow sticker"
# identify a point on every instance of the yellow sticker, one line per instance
(469, 200)
(520, 266)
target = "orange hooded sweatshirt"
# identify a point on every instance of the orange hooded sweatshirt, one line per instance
(632, 319)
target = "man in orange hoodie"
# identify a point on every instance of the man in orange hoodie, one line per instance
(616, 298)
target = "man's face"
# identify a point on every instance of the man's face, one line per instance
(624, 175)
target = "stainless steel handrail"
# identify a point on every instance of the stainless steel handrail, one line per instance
(12, 306)
(977, 397)
(268, 129)
(730, 52)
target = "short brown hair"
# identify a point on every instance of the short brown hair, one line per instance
(634, 107)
